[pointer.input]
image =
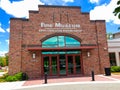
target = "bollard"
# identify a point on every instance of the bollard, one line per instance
(45, 78)
(93, 76)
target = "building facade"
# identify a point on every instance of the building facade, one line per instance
(59, 41)
(114, 49)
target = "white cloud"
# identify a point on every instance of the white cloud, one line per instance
(2, 53)
(8, 30)
(21, 8)
(68, 0)
(1, 29)
(94, 1)
(105, 12)
(7, 41)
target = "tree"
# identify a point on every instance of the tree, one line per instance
(117, 10)
(109, 36)
(3, 61)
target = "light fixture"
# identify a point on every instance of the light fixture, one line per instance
(33, 55)
(88, 54)
(105, 48)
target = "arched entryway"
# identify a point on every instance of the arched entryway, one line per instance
(62, 56)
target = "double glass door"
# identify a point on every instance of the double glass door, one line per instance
(50, 64)
(73, 64)
(55, 65)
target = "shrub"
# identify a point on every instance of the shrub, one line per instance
(19, 76)
(115, 68)
(11, 78)
(16, 77)
(2, 80)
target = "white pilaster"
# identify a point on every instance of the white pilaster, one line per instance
(117, 58)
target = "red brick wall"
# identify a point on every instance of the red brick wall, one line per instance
(26, 32)
(15, 46)
(102, 45)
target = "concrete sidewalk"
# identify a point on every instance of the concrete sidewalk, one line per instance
(97, 85)
(63, 80)
(11, 85)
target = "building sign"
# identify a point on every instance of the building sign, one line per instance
(59, 27)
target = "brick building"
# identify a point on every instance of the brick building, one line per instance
(59, 40)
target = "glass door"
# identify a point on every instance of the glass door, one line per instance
(46, 64)
(54, 65)
(70, 64)
(50, 64)
(62, 64)
(73, 64)
(78, 64)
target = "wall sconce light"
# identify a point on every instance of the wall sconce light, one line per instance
(88, 54)
(33, 55)
(105, 48)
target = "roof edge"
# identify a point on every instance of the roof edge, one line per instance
(58, 6)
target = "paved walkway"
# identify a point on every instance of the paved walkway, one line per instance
(73, 79)
(11, 85)
(100, 78)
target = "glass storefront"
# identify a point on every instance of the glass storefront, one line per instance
(61, 62)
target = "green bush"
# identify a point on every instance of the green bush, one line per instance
(16, 77)
(19, 76)
(2, 80)
(115, 68)
(11, 78)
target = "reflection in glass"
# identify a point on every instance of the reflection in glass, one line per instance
(71, 42)
(78, 67)
(70, 65)
(46, 64)
(60, 41)
(54, 65)
(61, 52)
(62, 65)
(51, 42)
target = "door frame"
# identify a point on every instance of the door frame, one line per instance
(74, 64)
(50, 63)
(58, 64)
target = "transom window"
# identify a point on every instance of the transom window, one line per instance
(60, 41)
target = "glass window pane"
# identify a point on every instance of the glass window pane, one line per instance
(61, 41)
(62, 66)
(61, 52)
(51, 42)
(70, 64)
(78, 64)
(46, 64)
(54, 65)
(71, 41)
(112, 59)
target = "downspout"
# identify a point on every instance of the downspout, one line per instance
(21, 44)
(99, 60)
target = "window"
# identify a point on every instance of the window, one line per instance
(60, 41)
(112, 59)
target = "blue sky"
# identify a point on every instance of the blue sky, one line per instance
(98, 9)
